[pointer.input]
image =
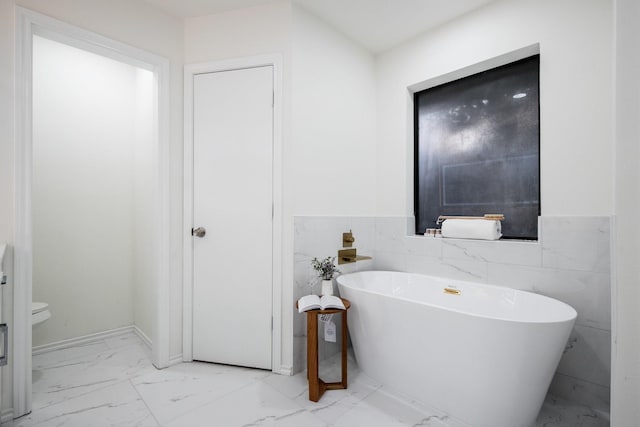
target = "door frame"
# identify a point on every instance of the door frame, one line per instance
(190, 71)
(28, 24)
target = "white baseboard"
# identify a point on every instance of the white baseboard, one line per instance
(88, 339)
(7, 416)
(284, 370)
(145, 339)
(174, 360)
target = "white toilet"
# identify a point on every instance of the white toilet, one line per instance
(39, 312)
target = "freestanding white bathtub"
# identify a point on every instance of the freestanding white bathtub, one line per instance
(484, 356)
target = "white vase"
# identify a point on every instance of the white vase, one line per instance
(327, 287)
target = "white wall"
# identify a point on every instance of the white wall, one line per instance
(333, 121)
(575, 40)
(143, 189)
(626, 296)
(263, 29)
(92, 135)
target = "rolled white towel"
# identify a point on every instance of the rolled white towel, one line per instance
(480, 229)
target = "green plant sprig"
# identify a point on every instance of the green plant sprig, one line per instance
(326, 268)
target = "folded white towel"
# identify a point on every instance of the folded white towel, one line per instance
(481, 229)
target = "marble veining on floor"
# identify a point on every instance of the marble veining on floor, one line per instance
(112, 383)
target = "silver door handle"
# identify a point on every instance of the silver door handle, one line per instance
(198, 232)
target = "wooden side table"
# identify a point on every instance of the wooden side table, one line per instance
(317, 387)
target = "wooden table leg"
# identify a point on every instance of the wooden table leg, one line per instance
(312, 356)
(317, 387)
(344, 349)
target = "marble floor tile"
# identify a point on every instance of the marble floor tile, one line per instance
(66, 354)
(123, 340)
(115, 405)
(112, 383)
(558, 412)
(257, 404)
(291, 386)
(173, 391)
(335, 403)
(62, 380)
(379, 410)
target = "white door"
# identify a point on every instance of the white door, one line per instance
(232, 193)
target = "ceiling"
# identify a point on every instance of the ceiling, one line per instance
(381, 24)
(376, 24)
(191, 8)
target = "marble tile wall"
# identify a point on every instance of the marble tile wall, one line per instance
(321, 237)
(570, 262)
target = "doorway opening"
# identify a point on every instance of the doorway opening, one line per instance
(92, 188)
(91, 194)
